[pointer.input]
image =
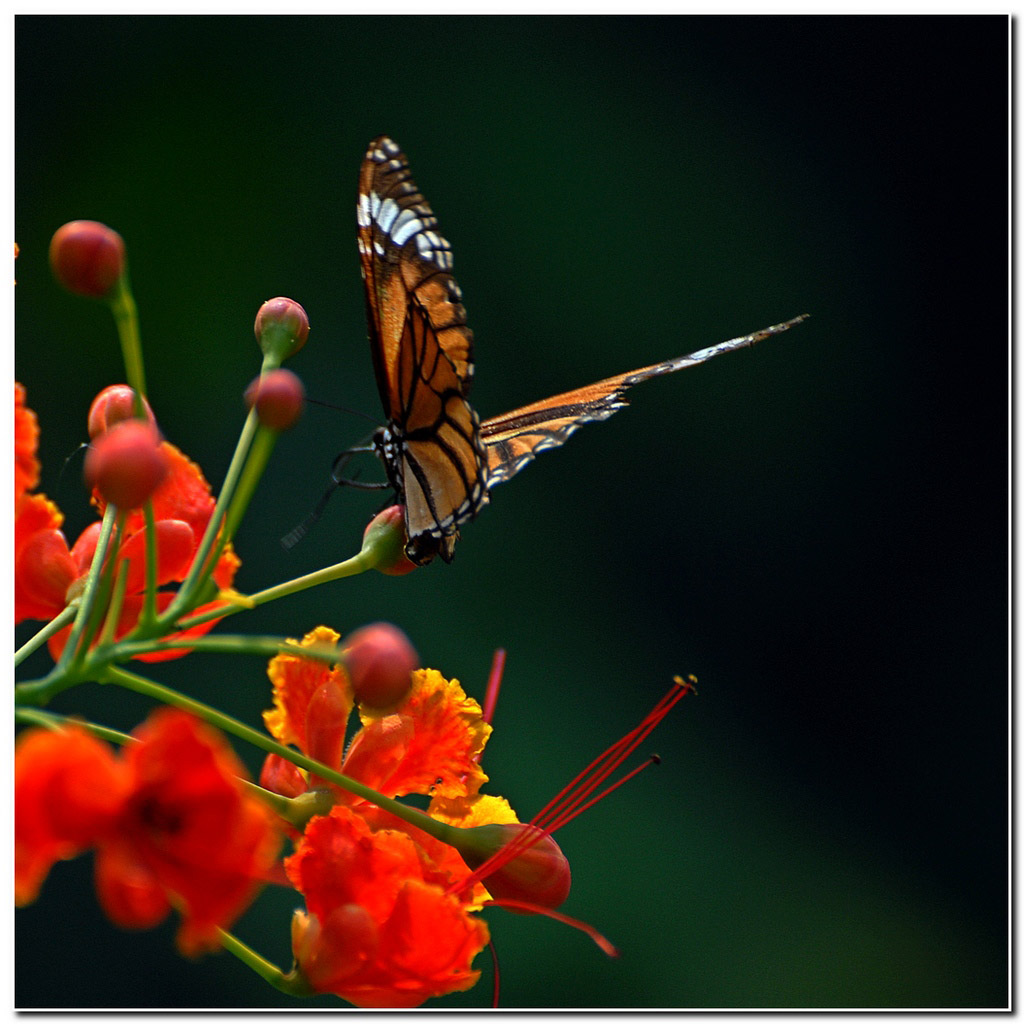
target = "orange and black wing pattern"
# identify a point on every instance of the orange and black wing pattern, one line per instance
(439, 458)
(515, 439)
(422, 356)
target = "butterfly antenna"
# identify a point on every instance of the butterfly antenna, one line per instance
(344, 408)
(289, 540)
(64, 465)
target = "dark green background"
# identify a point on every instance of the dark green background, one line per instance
(816, 527)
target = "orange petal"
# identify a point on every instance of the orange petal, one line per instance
(43, 571)
(379, 903)
(205, 840)
(127, 890)
(448, 734)
(68, 790)
(175, 545)
(295, 681)
(26, 440)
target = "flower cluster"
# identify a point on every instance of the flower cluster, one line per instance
(49, 575)
(393, 895)
(373, 882)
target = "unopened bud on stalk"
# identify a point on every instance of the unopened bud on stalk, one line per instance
(113, 405)
(386, 533)
(87, 258)
(530, 867)
(380, 661)
(278, 398)
(282, 328)
(126, 464)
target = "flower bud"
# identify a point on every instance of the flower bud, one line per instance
(379, 660)
(282, 328)
(278, 397)
(386, 534)
(537, 874)
(126, 464)
(112, 405)
(87, 258)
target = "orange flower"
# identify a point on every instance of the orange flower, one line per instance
(382, 930)
(45, 569)
(389, 923)
(169, 819)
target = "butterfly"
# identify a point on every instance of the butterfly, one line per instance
(440, 459)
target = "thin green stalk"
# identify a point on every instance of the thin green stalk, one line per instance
(202, 564)
(52, 720)
(139, 684)
(292, 984)
(259, 455)
(85, 607)
(115, 605)
(122, 305)
(366, 559)
(262, 646)
(55, 625)
(148, 616)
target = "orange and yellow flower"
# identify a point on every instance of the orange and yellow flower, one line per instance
(169, 819)
(388, 923)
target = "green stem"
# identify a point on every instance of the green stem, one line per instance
(138, 684)
(292, 984)
(259, 455)
(85, 607)
(202, 564)
(52, 720)
(115, 605)
(55, 625)
(263, 646)
(148, 616)
(122, 305)
(366, 559)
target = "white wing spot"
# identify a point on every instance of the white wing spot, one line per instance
(406, 225)
(363, 210)
(386, 216)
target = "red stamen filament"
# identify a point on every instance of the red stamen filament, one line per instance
(576, 797)
(494, 685)
(599, 940)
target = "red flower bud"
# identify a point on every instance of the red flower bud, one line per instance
(538, 873)
(87, 257)
(278, 397)
(282, 327)
(126, 464)
(379, 660)
(112, 405)
(386, 531)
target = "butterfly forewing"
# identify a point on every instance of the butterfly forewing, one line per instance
(422, 353)
(403, 253)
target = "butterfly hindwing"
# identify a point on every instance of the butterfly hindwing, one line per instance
(516, 438)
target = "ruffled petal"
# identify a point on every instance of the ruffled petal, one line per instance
(296, 680)
(430, 744)
(387, 933)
